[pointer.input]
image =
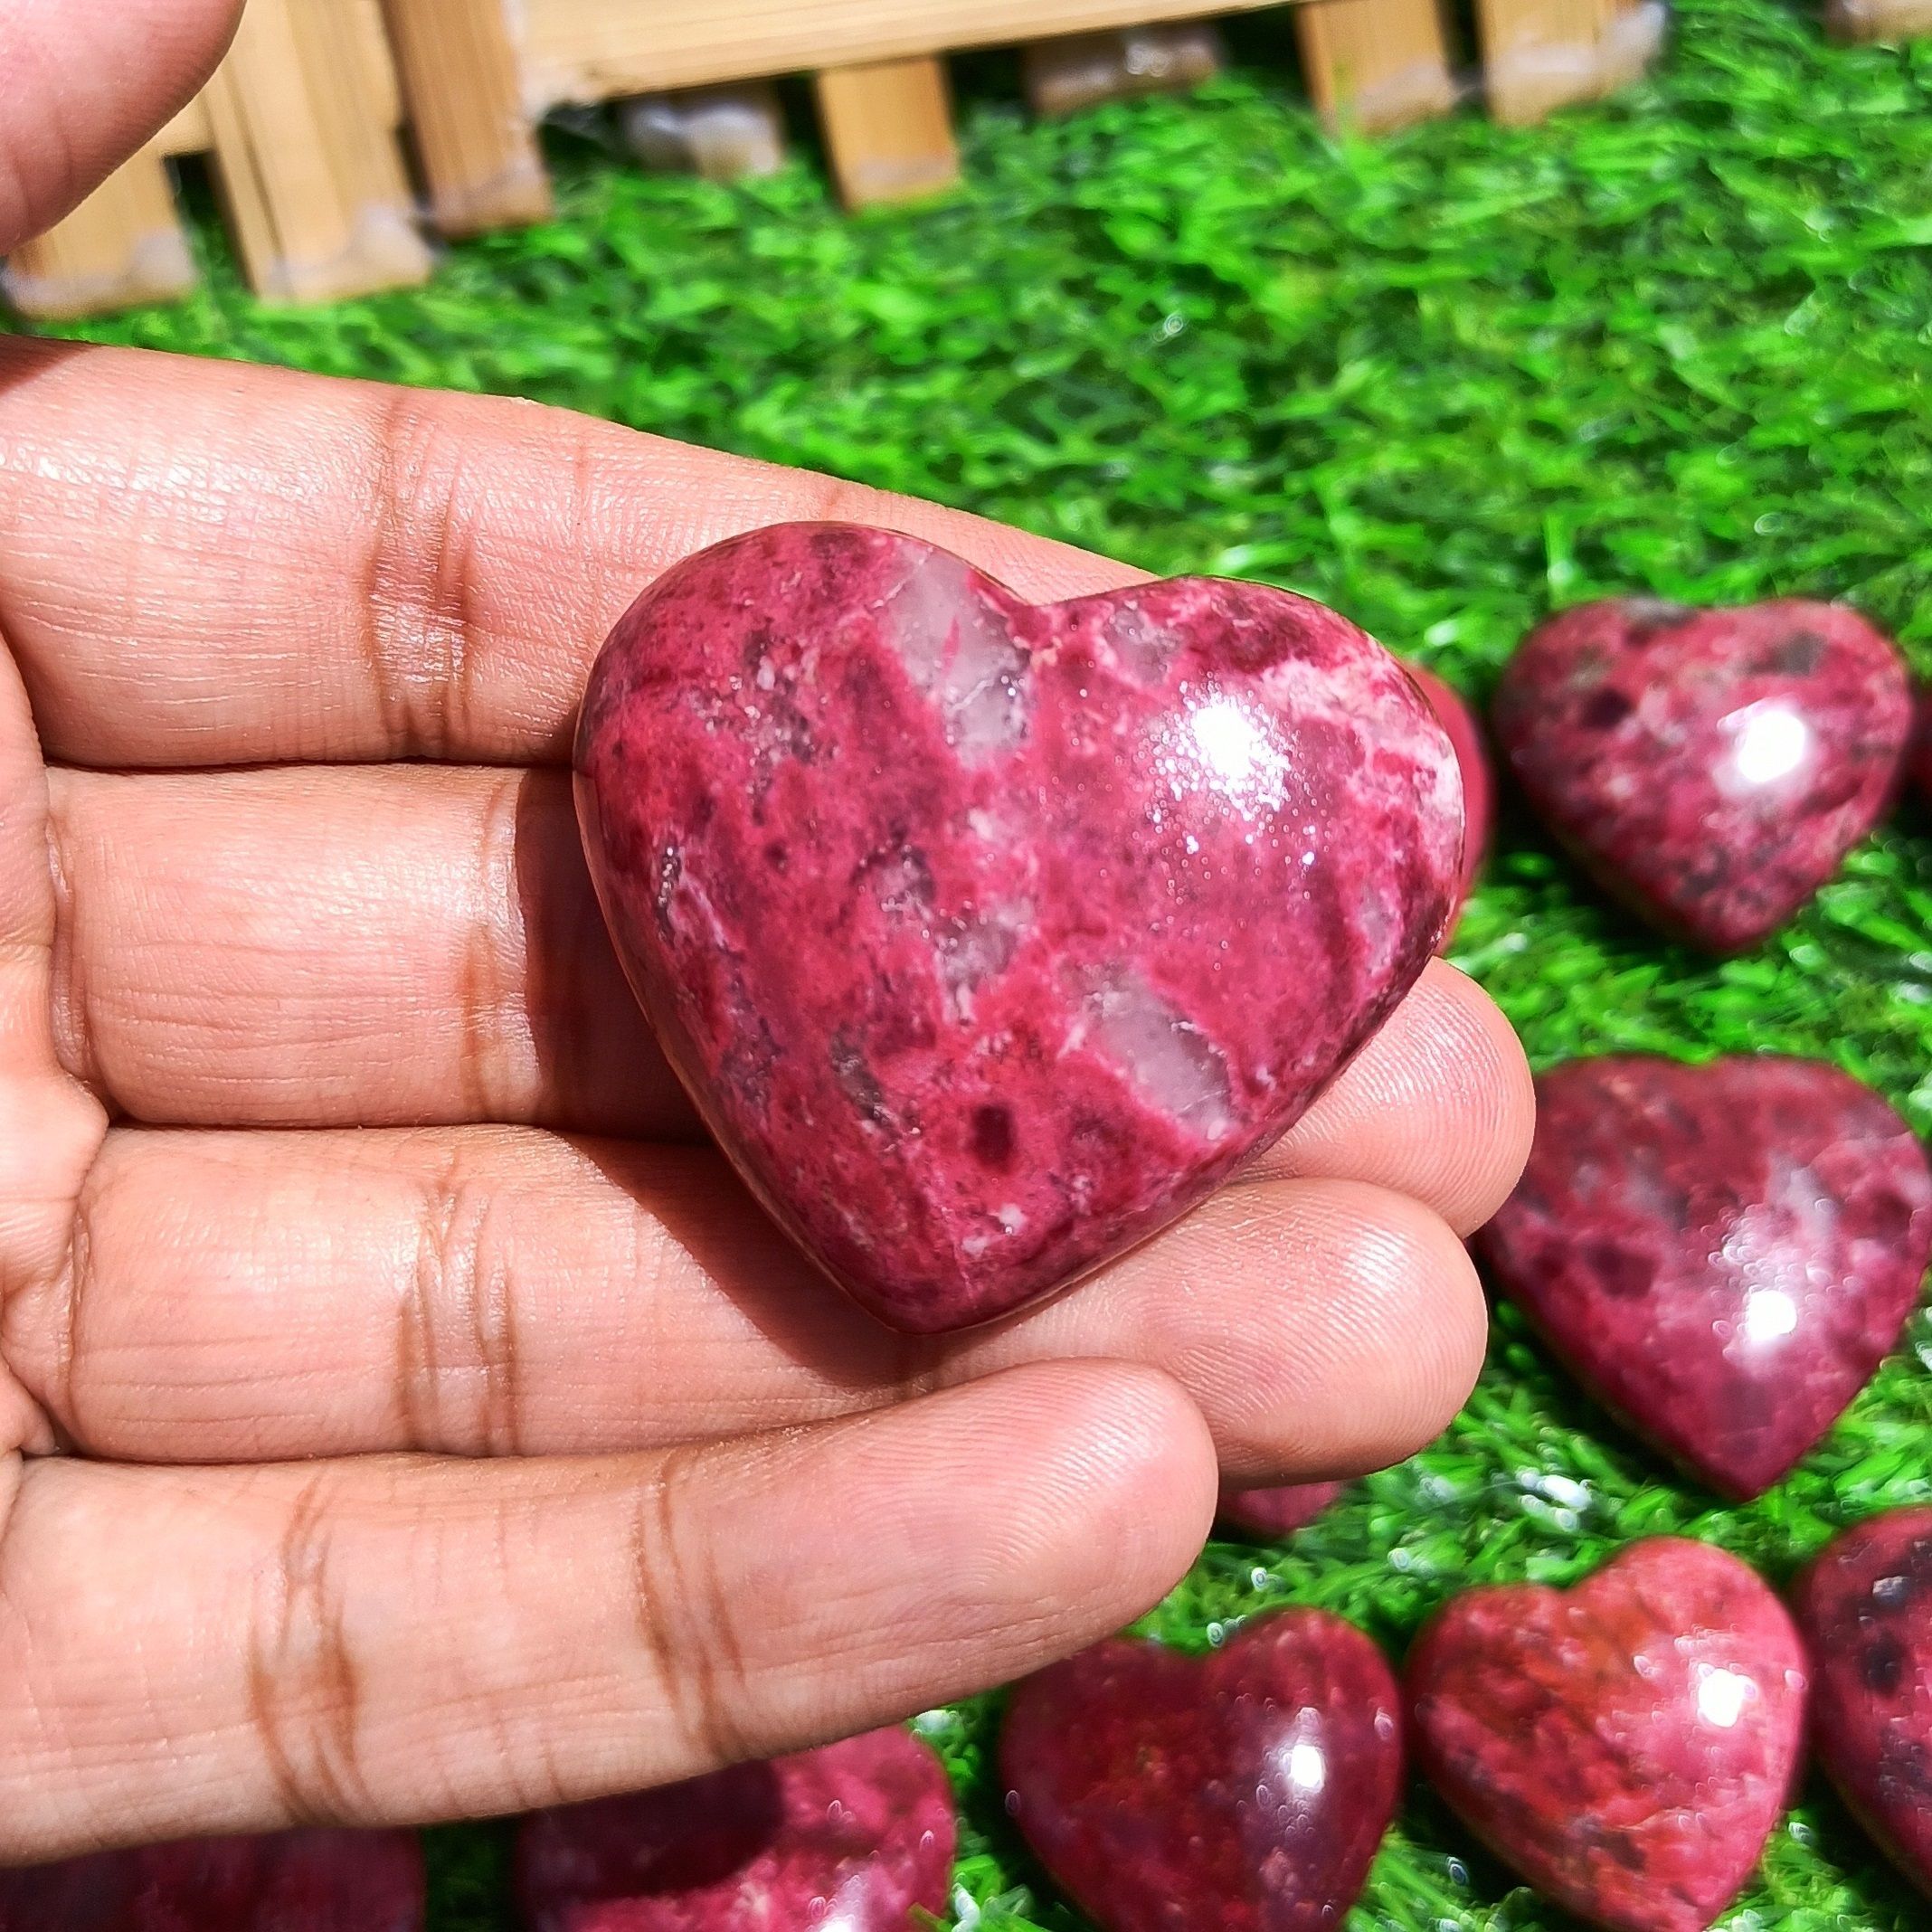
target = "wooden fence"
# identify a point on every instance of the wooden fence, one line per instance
(302, 123)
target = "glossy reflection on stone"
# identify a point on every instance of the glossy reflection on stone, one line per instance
(1473, 760)
(853, 1837)
(989, 936)
(1721, 1253)
(1627, 1744)
(1711, 767)
(1865, 1607)
(287, 1881)
(1277, 1511)
(1254, 1784)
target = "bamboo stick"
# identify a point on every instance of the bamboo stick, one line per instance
(464, 87)
(1375, 64)
(888, 129)
(312, 179)
(124, 245)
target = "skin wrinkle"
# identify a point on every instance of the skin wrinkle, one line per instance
(457, 1280)
(418, 585)
(691, 1653)
(304, 1686)
(72, 1039)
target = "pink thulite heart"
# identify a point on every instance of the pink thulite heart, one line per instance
(1865, 1607)
(1710, 767)
(290, 1881)
(857, 1835)
(1721, 1253)
(1472, 758)
(1627, 1744)
(1254, 1784)
(989, 936)
(1279, 1511)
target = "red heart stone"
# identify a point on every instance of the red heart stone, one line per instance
(1627, 1744)
(1710, 767)
(856, 1836)
(1722, 1254)
(989, 936)
(1279, 1511)
(1254, 1784)
(1479, 783)
(1865, 1607)
(289, 1881)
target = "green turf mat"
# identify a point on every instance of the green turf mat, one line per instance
(1448, 381)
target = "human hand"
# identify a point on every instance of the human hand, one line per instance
(409, 1414)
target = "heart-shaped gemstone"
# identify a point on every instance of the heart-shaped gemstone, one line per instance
(1721, 1254)
(1710, 767)
(1627, 1744)
(1865, 1607)
(1279, 1511)
(1472, 758)
(289, 1881)
(857, 1835)
(1254, 1784)
(990, 936)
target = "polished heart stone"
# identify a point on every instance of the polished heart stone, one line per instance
(1277, 1511)
(1865, 1607)
(289, 1881)
(853, 1837)
(1254, 1784)
(1472, 762)
(1722, 1254)
(1627, 1744)
(1710, 767)
(989, 936)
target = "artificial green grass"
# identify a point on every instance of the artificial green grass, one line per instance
(1447, 381)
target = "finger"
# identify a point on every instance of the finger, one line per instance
(386, 1641)
(1439, 1105)
(314, 947)
(321, 947)
(321, 570)
(50, 1125)
(82, 84)
(256, 1296)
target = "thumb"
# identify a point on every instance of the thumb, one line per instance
(83, 83)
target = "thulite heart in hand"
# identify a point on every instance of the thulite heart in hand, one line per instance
(1721, 1253)
(1254, 1784)
(1865, 1607)
(1627, 1744)
(1711, 767)
(989, 936)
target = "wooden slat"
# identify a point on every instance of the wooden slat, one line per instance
(313, 181)
(190, 133)
(1374, 64)
(1540, 54)
(590, 50)
(371, 35)
(123, 244)
(1079, 70)
(888, 129)
(461, 79)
